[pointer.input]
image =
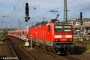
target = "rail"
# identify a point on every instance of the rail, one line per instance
(20, 52)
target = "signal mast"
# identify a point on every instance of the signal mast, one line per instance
(26, 20)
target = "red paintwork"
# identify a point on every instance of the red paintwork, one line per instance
(41, 33)
(18, 33)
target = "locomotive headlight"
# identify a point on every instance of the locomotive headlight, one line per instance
(68, 36)
(58, 36)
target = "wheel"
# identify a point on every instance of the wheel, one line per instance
(55, 50)
(40, 45)
(49, 49)
(61, 50)
(71, 51)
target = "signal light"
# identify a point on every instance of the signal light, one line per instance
(26, 19)
(27, 10)
(81, 18)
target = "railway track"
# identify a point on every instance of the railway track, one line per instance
(63, 57)
(38, 53)
(16, 56)
(52, 54)
(73, 57)
(20, 54)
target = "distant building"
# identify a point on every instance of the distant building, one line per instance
(1, 31)
(77, 24)
(78, 21)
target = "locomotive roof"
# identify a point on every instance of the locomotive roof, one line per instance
(47, 23)
(40, 24)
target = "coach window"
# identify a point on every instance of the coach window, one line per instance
(48, 28)
(25, 33)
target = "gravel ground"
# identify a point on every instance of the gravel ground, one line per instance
(6, 51)
(37, 53)
(82, 50)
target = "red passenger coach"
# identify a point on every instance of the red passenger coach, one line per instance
(22, 34)
(53, 36)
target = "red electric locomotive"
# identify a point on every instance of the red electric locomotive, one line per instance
(53, 36)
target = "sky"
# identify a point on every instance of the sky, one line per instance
(13, 11)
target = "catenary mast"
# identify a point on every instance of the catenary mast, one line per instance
(65, 10)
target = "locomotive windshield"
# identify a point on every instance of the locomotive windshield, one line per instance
(67, 28)
(62, 28)
(58, 28)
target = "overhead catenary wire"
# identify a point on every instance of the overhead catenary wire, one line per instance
(15, 7)
(13, 16)
(63, 5)
(67, 3)
(39, 5)
(57, 8)
(46, 1)
(20, 9)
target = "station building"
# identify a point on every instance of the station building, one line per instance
(77, 25)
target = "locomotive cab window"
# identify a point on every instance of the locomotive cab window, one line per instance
(48, 28)
(58, 28)
(67, 28)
